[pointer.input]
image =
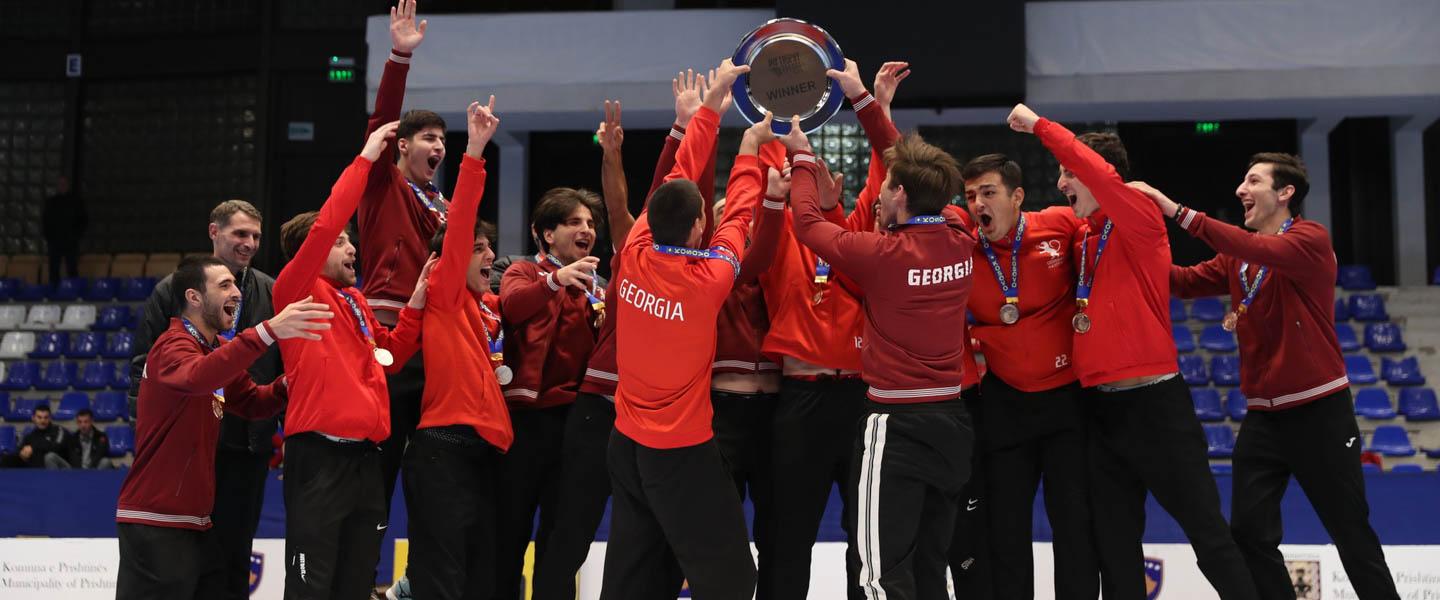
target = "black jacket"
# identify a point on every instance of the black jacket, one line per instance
(235, 432)
(44, 441)
(76, 450)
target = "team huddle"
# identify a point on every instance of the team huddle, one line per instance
(761, 345)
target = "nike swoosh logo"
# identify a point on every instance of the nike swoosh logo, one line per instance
(1350, 443)
(380, 527)
(970, 508)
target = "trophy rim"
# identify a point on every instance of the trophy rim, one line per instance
(824, 46)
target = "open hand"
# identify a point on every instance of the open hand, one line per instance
(1167, 206)
(849, 79)
(422, 285)
(580, 274)
(887, 79)
(728, 101)
(796, 140)
(610, 133)
(1022, 119)
(687, 87)
(725, 76)
(481, 122)
(301, 319)
(405, 34)
(377, 141)
(831, 186)
(760, 133)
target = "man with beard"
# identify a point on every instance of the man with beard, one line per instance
(167, 546)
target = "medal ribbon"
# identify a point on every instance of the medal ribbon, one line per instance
(1251, 291)
(1082, 290)
(496, 344)
(922, 220)
(425, 200)
(596, 303)
(359, 317)
(195, 333)
(716, 253)
(822, 270)
(235, 324)
(1012, 290)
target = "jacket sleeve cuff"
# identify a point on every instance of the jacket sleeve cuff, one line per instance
(863, 100)
(550, 281)
(400, 57)
(773, 203)
(677, 132)
(266, 336)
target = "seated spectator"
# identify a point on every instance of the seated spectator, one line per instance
(44, 447)
(89, 446)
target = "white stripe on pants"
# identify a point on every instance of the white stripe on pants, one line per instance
(868, 507)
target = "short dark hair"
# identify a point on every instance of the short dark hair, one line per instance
(1286, 169)
(930, 176)
(294, 232)
(1110, 148)
(674, 207)
(1009, 170)
(556, 205)
(84, 412)
(222, 212)
(42, 407)
(415, 121)
(483, 229)
(190, 275)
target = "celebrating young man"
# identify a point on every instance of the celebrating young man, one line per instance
(339, 407)
(672, 500)
(242, 462)
(912, 456)
(191, 377)
(1030, 415)
(1301, 422)
(1143, 433)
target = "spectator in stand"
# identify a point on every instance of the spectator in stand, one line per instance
(64, 221)
(89, 447)
(43, 447)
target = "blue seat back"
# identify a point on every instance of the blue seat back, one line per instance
(110, 406)
(1184, 340)
(1383, 337)
(1207, 403)
(1342, 310)
(102, 289)
(1192, 369)
(1368, 307)
(120, 344)
(1359, 369)
(1355, 277)
(1392, 440)
(112, 318)
(1374, 403)
(1220, 439)
(1235, 404)
(96, 375)
(71, 403)
(50, 344)
(1404, 371)
(9, 442)
(1177, 310)
(1345, 334)
(1209, 309)
(1419, 404)
(67, 289)
(122, 439)
(84, 344)
(1225, 369)
(120, 375)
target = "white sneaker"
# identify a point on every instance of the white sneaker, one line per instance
(400, 590)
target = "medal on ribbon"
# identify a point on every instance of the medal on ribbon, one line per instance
(1232, 318)
(1081, 321)
(1010, 310)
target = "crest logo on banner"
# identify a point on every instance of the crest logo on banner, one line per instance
(257, 569)
(1154, 577)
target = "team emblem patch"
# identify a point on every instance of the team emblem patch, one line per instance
(1154, 577)
(257, 569)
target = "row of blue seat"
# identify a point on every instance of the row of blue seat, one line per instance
(122, 439)
(1415, 404)
(107, 406)
(1389, 440)
(1354, 277)
(103, 289)
(1360, 307)
(1224, 369)
(1379, 337)
(83, 344)
(115, 317)
(62, 375)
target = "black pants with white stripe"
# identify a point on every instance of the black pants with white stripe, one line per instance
(1319, 443)
(811, 450)
(529, 481)
(1148, 439)
(168, 563)
(911, 464)
(674, 510)
(334, 517)
(584, 489)
(449, 481)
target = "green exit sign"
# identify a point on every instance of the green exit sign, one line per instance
(341, 75)
(1207, 127)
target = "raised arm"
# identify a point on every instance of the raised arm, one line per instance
(765, 239)
(180, 364)
(1129, 208)
(299, 274)
(846, 250)
(1205, 279)
(447, 289)
(405, 36)
(616, 190)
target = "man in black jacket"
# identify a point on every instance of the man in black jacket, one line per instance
(44, 446)
(242, 460)
(89, 448)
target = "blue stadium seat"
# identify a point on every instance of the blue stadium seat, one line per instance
(1221, 440)
(1391, 440)
(68, 290)
(21, 376)
(134, 323)
(1359, 369)
(119, 345)
(1419, 404)
(1342, 310)
(95, 376)
(112, 318)
(103, 289)
(7, 409)
(1177, 310)
(110, 406)
(1355, 277)
(1184, 340)
(1404, 371)
(30, 292)
(1215, 339)
(1349, 342)
(1192, 369)
(50, 344)
(84, 344)
(1368, 307)
(136, 289)
(22, 408)
(1369, 468)
(1407, 469)
(71, 403)
(120, 375)
(1225, 369)
(1383, 337)
(58, 376)
(9, 443)
(1207, 404)
(8, 286)
(122, 439)
(1210, 310)
(1432, 452)
(1222, 468)
(1374, 404)
(1235, 404)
